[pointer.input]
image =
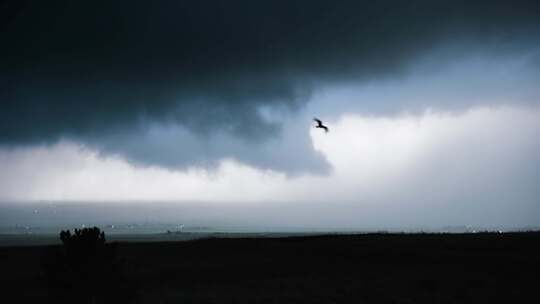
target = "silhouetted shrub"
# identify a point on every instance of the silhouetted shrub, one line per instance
(86, 269)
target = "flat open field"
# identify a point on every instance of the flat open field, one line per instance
(368, 268)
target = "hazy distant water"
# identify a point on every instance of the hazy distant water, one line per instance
(152, 218)
(119, 218)
(189, 220)
(40, 223)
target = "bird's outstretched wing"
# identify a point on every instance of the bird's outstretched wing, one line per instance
(319, 122)
(325, 128)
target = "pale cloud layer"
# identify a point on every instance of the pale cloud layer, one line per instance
(479, 166)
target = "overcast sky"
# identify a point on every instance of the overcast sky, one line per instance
(433, 106)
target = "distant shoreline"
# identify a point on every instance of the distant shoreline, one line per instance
(47, 239)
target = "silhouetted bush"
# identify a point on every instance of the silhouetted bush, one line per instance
(86, 269)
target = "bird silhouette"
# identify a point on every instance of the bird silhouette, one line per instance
(320, 125)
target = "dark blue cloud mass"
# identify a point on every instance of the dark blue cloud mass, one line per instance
(105, 72)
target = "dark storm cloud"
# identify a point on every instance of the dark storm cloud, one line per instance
(89, 69)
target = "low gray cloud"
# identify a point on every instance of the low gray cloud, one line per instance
(175, 147)
(108, 73)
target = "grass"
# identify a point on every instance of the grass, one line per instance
(371, 268)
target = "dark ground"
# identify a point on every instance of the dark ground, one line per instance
(372, 268)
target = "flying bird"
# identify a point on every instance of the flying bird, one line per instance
(320, 125)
